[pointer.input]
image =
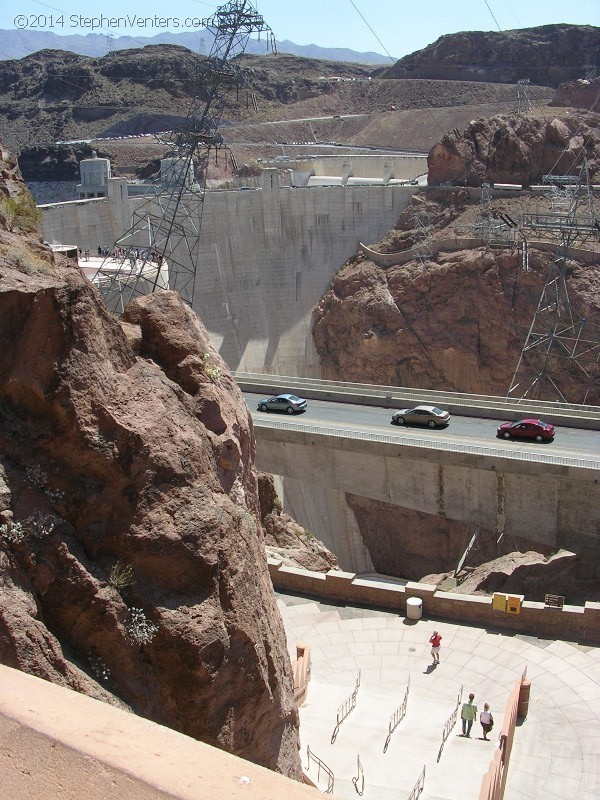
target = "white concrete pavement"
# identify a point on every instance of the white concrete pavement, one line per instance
(557, 748)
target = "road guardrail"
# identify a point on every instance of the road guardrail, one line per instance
(468, 405)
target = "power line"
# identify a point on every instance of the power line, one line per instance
(373, 32)
(494, 18)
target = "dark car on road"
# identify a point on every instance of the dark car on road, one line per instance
(283, 402)
(532, 429)
(431, 416)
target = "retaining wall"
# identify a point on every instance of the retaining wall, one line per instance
(572, 623)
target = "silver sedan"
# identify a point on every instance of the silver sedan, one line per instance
(431, 416)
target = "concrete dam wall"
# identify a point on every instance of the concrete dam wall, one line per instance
(266, 258)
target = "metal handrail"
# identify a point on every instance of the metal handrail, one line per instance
(450, 723)
(418, 787)
(345, 709)
(321, 765)
(360, 778)
(397, 717)
(428, 443)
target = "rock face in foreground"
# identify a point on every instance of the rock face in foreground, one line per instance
(515, 150)
(132, 560)
(548, 55)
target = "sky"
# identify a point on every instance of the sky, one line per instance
(394, 27)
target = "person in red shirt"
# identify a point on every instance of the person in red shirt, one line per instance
(435, 642)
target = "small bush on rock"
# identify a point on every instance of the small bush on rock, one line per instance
(139, 628)
(121, 575)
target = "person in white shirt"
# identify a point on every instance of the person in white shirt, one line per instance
(487, 721)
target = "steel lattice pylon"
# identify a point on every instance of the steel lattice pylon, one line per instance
(492, 230)
(523, 101)
(562, 342)
(423, 237)
(160, 248)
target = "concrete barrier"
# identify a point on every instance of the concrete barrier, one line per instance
(467, 405)
(573, 623)
(58, 744)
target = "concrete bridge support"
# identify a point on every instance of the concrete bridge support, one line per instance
(547, 502)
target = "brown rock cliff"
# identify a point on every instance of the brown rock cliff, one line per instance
(132, 560)
(584, 93)
(517, 150)
(548, 54)
(456, 322)
(285, 539)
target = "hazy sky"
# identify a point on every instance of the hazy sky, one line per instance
(398, 26)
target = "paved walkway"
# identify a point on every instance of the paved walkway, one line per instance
(556, 754)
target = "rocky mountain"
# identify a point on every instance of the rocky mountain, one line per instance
(21, 43)
(518, 150)
(55, 95)
(132, 560)
(547, 55)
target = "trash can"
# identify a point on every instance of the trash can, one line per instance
(414, 608)
(523, 706)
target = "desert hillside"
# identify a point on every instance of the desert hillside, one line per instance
(548, 55)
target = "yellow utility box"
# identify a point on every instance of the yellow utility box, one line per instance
(499, 601)
(509, 603)
(513, 604)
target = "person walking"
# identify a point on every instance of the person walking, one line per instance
(435, 642)
(487, 721)
(468, 714)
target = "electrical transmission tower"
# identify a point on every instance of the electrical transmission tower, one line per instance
(492, 229)
(423, 236)
(562, 349)
(523, 101)
(160, 248)
(591, 68)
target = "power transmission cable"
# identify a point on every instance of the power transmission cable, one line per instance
(372, 31)
(431, 114)
(514, 14)
(493, 17)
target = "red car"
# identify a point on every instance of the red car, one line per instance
(533, 429)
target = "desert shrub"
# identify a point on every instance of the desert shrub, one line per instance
(21, 213)
(13, 532)
(18, 255)
(121, 575)
(35, 527)
(211, 370)
(139, 628)
(99, 669)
